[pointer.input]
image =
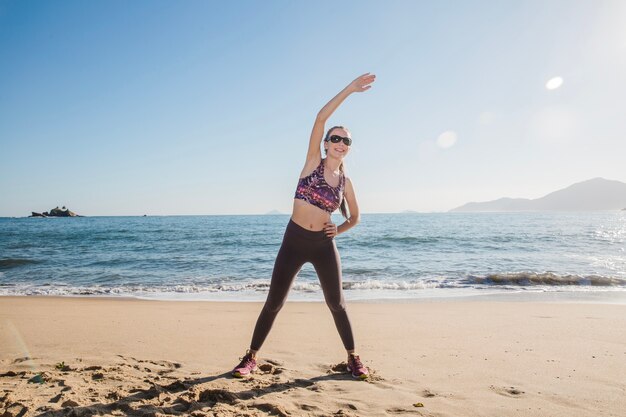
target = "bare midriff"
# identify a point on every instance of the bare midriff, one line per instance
(309, 216)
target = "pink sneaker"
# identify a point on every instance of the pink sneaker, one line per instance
(245, 367)
(356, 367)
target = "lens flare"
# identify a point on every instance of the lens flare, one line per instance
(447, 139)
(14, 334)
(554, 83)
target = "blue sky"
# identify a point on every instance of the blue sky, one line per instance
(152, 107)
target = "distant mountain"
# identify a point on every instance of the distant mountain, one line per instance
(593, 194)
(274, 212)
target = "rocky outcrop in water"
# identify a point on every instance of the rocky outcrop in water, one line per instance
(56, 212)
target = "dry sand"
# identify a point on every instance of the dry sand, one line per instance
(457, 358)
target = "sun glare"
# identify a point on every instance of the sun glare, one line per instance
(447, 139)
(554, 83)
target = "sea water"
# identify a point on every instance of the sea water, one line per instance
(386, 256)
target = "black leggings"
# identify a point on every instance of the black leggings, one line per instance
(300, 246)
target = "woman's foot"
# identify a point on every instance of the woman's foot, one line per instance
(356, 367)
(246, 366)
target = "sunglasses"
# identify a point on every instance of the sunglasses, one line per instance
(337, 139)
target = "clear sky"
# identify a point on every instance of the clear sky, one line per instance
(198, 107)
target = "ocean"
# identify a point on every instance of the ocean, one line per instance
(386, 256)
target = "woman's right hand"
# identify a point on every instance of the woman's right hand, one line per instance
(361, 83)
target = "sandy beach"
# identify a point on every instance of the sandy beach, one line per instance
(107, 356)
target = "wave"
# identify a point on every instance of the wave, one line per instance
(15, 262)
(8, 289)
(503, 281)
(373, 284)
(545, 278)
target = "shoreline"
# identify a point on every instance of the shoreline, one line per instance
(593, 296)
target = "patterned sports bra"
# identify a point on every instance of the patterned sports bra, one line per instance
(315, 190)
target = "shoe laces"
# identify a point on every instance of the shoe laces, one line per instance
(246, 361)
(357, 361)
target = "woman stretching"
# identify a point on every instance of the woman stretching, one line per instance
(309, 236)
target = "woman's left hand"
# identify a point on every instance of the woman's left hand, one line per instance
(361, 83)
(331, 229)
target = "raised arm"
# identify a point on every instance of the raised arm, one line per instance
(358, 85)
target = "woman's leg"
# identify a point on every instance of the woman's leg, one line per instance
(327, 264)
(288, 262)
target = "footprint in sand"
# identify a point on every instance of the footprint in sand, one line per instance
(168, 365)
(427, 393)
(23, 359)
(344, 413)
(165, 364)
(400, 410)
(217, 395)
(272, 409)
(507, 391)
(308, 407)
(274, 362)
(269, 368)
